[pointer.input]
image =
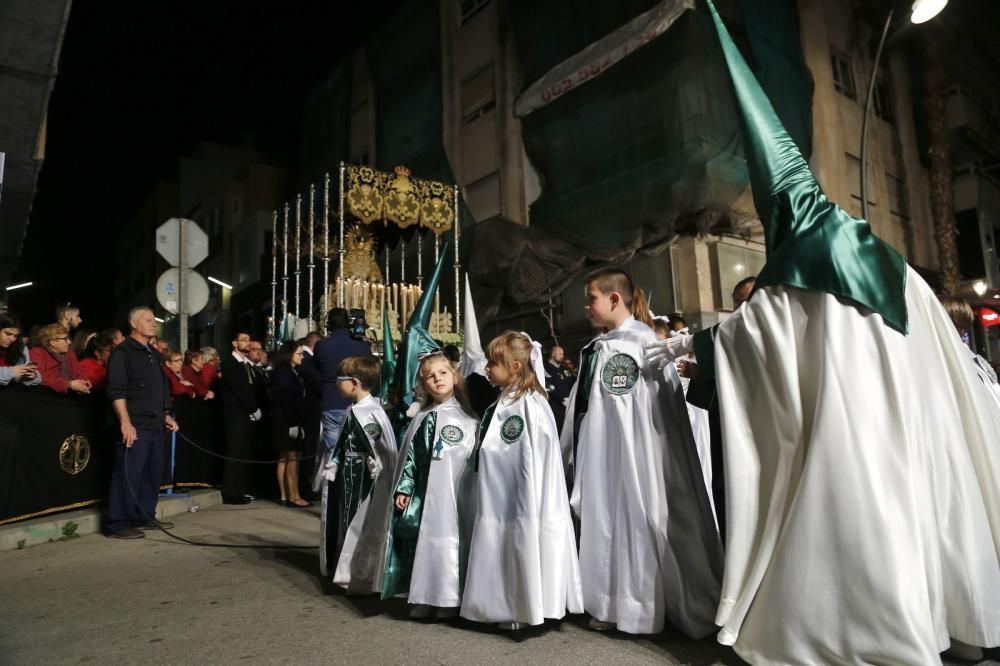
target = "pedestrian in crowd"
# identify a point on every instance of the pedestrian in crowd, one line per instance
(238, 385)
(68, 316)
(329, 353)
(314, 388)
(194, 362)
(661, 326)
(452, 353)
(557, 384)
(161, 346)
(140, 397)
(288, 397)
(94, 362)
(80, 339)
(210, 371)
(173, 364)
(58, 366)
(114, 335)
(16, 366)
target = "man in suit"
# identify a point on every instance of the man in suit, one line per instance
(557, 383)
(240, 394)
(313, 415)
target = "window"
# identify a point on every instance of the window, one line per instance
(899, 204)
(854, 177)
(883, 102)
(843, 74)
(478, 95)
(483, 197)
(471, 7)
(732, 264)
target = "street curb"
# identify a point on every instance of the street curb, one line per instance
(69, 525)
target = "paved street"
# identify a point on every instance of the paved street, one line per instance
(96, 600)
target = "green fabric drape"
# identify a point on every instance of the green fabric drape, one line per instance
(353, 484)
(405, 526)
(388, 369)
(812, 243)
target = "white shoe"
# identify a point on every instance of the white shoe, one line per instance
(509, 626)
(600, 625)
(421, 612)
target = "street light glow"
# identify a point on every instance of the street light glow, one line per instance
(220, 283)
(18, 286)
(158, 319)
(979, 286)
(925, 10)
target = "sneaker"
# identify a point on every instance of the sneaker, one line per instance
(127, 533)
(447, 613)
(421, 612)
(157, 525)
(509, 626)
(600, 625)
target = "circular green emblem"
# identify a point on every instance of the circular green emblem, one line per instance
(620, 374)
(452, 434)
(511, 429)
(373, 430)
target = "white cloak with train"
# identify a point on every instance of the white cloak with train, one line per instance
(523, 564)
(649, 548)
(862, 479)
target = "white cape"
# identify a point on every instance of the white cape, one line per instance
(363, 556)
(649, 548)
(523, 565)
(449, 508)
(862, 472)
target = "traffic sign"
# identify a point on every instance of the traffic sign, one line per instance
(195, 291)
(168, 237)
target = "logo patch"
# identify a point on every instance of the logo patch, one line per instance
(452, 434)
(373, 430)
(511, 429)
(620, 374)
(74, 454)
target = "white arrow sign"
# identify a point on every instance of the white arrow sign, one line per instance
(168, 241)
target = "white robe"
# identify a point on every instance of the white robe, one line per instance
(437, 575)
(649, 548)
(523, 564)
(362, 558)
(861, 479)
(703, 441)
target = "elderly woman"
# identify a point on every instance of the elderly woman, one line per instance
(194, 362)
(173, 363)
(15, 364)
(94, 361)
(210, 371)
(57, 365)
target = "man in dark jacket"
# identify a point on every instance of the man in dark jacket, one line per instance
(313, 414)
(140, 396)
(327, 355)
(240, 396)
(557, 383)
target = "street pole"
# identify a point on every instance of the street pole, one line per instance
(864, 119)
(182, 286)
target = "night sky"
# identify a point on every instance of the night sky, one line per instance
(140, 84)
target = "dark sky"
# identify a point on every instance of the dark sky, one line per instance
(140, 84)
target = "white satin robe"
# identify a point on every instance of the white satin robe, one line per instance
(523, 564)
(862, 473)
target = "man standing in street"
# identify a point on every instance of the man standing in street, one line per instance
(557, 384)
(327, 354)
(239, 390)
(140, 397)
(314, 387)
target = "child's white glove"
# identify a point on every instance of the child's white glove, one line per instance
(664, 352)
(294, 433)
(374, 467)
(256, 416)
(330, 472)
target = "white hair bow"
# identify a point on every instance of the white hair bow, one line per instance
(537, 364)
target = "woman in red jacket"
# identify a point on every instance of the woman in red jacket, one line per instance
(194, 361)
(57, 365)
(173, 361)
(94, 362)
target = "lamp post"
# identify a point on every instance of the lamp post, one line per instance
(920, 12)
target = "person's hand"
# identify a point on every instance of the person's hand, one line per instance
(293, 432)
(256, 416)
(171, 424)
(402, 501)
(23, 371)
(128, 434)
(664, 352)
(186, 382)
(80, 386)
(687, 369)
(209, 395)
(330, 472)
(374, 467)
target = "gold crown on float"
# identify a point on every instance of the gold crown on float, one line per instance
(402, 171)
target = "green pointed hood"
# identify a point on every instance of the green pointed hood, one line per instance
(812, 243)
(388, 357)
(417, 341)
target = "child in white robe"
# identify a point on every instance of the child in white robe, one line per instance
(523, 566)
(434, 496)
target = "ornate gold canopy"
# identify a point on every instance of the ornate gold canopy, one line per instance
(399, 198)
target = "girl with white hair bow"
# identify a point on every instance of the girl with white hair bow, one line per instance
(523, 566)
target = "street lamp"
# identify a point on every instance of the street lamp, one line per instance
(18, 286)
(921, 12)
(220, 283)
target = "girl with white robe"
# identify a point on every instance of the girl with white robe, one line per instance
(523, 566)
(434, 497)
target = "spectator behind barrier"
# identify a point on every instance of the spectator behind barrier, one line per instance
(68, 316)
(115, 335)
(16, 366)
(210, 371)
(173, 363)
(194, 362)
(58, 366)
(94, 361)
(81, 338)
